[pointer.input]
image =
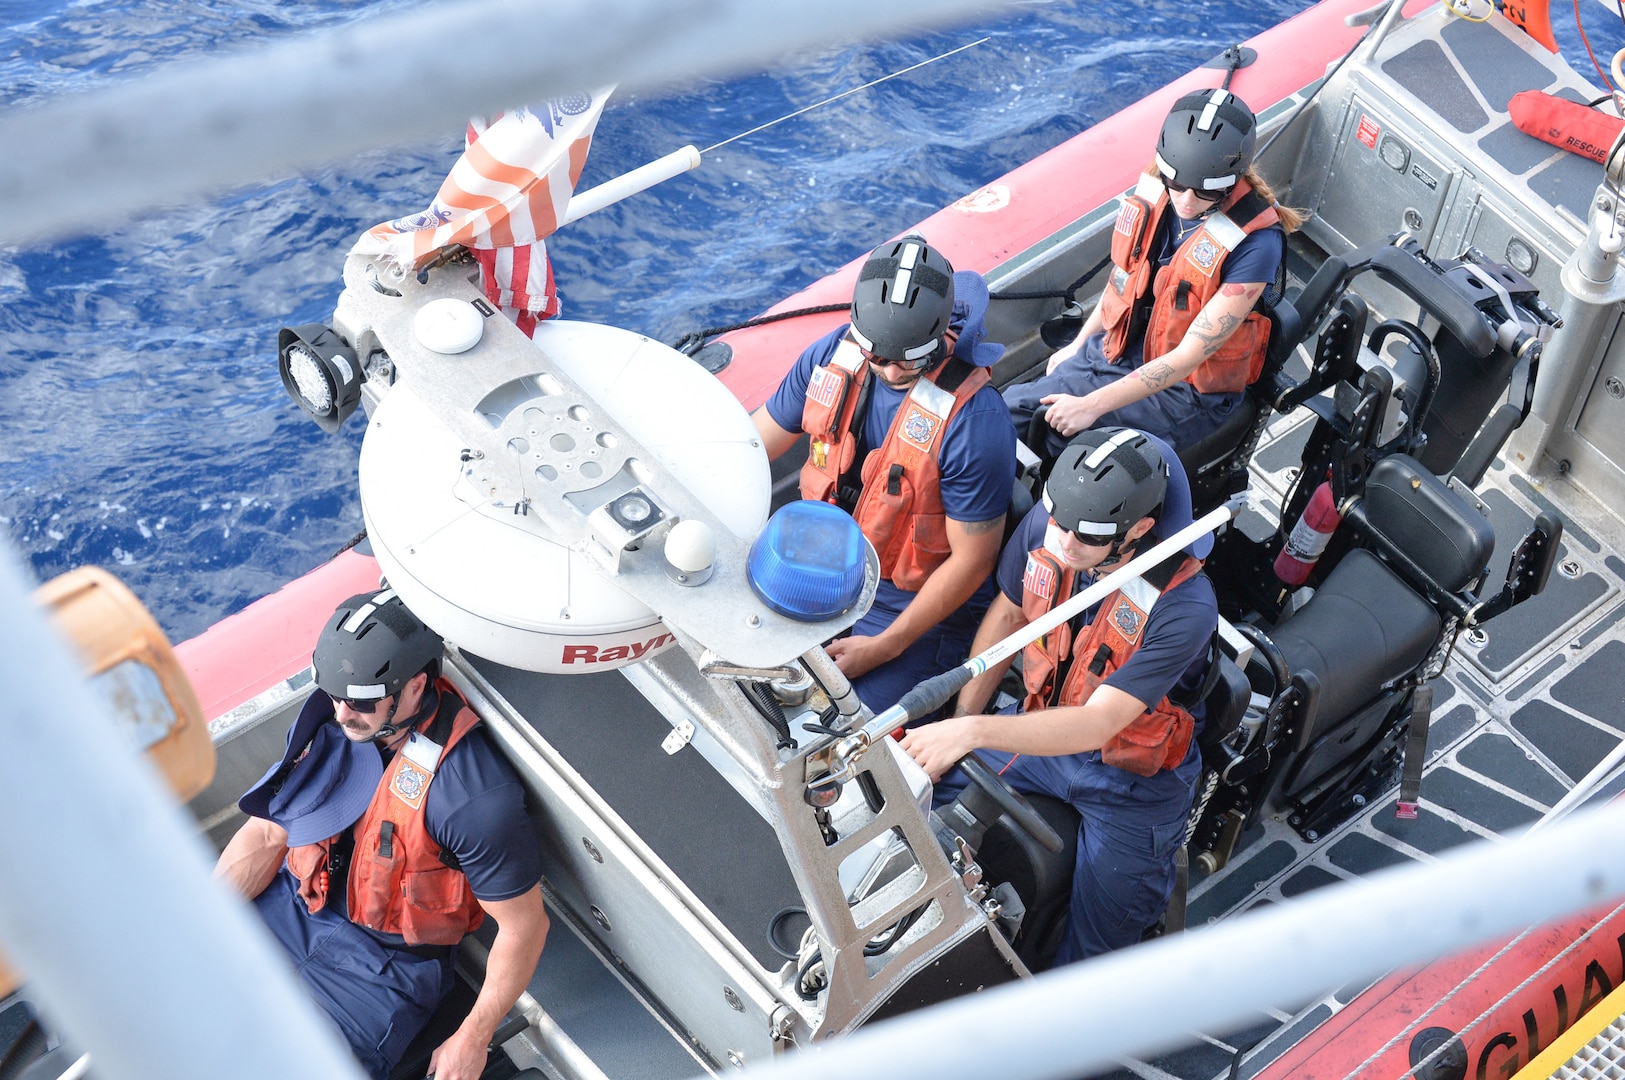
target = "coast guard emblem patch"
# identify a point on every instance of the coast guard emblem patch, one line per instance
(1128, 620)
(919, 426)
(410, 783)
(1205, 253)
(1039, 578)
(823, 386)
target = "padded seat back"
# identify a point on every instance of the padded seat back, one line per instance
(1419, 515)
(1226, 705)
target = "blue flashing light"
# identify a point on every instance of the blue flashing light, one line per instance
(808, 562)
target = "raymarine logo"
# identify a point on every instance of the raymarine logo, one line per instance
(592, 654)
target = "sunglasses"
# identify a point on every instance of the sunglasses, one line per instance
(1176, 188)
(365, 706)
(905, 365)
(1086, 539)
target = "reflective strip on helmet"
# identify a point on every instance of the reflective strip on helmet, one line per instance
(1104, 451)
(919, 351)
(905, 275)
(1210, 111)
(369, 692)
(857, 336)
(1208, 183)
(358, 618)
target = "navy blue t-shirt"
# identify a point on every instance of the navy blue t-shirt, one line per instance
(1174, 649)
(977, 457)
(1257, 258)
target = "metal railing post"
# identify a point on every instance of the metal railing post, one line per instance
(108, 905)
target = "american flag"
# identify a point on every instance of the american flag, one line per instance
(503, 197)
(1039, 578)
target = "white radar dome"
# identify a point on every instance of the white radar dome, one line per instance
(493, 581)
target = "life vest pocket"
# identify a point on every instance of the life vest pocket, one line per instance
(1239, 360)
(883, 510)
(370, 894)
(929, 550)
(1157, 739)
(435, 911)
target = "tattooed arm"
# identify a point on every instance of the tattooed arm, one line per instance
(1208, 332)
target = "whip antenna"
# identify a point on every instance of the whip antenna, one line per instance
(842, 94)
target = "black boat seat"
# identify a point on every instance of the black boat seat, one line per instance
(1363, 629)
(1226, 705)
(1416, 512)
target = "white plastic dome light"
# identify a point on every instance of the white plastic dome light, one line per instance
(691, 552)
(448, 326)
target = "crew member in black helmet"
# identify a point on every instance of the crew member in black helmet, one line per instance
(1111, 711)
(906, 434)
(388, 830)
(1175, 338)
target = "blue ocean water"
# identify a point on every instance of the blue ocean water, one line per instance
(142, 423)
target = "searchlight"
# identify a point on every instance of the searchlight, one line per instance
(320, 372)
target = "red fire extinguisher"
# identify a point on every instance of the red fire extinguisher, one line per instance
(1309, 537)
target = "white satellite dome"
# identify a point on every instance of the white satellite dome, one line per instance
(493, 581)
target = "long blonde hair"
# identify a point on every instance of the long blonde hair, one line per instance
(1292, 219)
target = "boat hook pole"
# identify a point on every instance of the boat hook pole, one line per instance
(933, 692)
(687, 158)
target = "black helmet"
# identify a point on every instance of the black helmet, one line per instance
(902, 302)
(372, 647)
(1104, 482)
(1207, 141)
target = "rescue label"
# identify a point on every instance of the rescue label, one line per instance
(1367, 132)
(618, 654)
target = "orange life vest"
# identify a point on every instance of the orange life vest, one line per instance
(900, 506)
(1182, 288)
(1159, 737)
(399, 881)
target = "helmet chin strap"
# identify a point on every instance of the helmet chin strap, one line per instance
(1121, 549)
(389, 729)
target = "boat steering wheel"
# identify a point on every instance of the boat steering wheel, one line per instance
(1009, 800)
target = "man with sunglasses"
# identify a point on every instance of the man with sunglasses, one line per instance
(907, 434)
(1175, 337)
(1111, 704)
(389, 829)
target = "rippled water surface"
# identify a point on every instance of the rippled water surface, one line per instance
(142, 423)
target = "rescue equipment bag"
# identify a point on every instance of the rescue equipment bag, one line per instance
(1577, 128)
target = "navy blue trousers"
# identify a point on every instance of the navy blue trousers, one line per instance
(1178, 414)
(379, 997)
(942, 647)
(1124, 874)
